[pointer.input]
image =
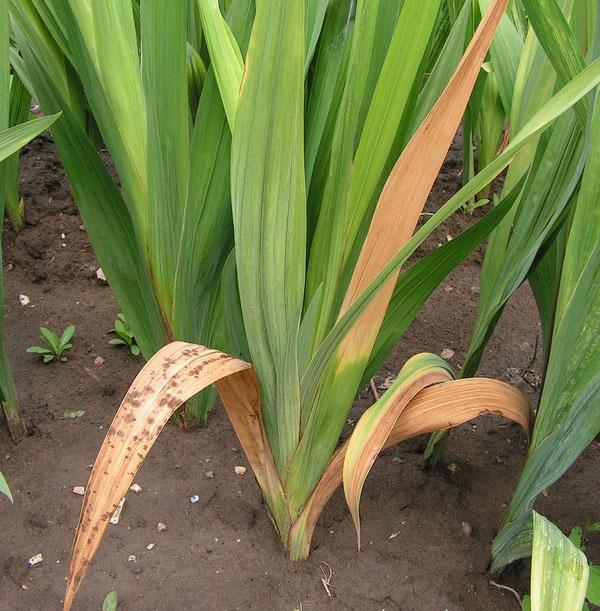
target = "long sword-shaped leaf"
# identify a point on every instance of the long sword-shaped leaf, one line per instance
(15, 138)
(559, 571)
(324, 264)
(269, 212)
(376, 424)
(315, 15)
(110, 74)
(101, 206)
(568, 416)
(388, 106)
(174, 374)
(448, 404)
(226, 57)
(559, 42)
(404, 195)
(165, 86)
(207, 229)
(326, 77)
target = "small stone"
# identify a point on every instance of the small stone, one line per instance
(135, 488)
(452, 467)
(80, 490)
(194, 498)
(209, 474)
(35, 560)
(239, 470)
(116, 516)
(475, 290)
(467, 529)
(397, 459)
(447, 354)
(24, 300)
(150, 546)
(98, 361)
(100, 275)
(131, 558)
(448, 238)
(160, 527)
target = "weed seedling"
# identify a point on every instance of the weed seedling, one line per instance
(125, 336)
(55, 346)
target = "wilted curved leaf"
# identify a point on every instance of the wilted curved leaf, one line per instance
(376, 424)
(173, 375)
(445, 405)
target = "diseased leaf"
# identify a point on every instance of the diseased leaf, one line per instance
(559, 570)
(173, 375)
(444, 405)
(376, 424)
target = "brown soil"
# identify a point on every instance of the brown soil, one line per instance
(222, 553)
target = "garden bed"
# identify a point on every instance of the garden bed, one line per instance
(426, 535)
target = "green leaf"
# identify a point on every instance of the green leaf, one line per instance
(38, 350)
(225, 54)
(74, 415)
(206, 235)
(567, 419)
(593, 590)
(135, 350)
(103, 210)
(576, 538)
(4, 489)
(559, 42)
(390, 104)
(165, 87)
(559, 571)
(52, 339)
(269, 212)
(110, 602)
(15, 138)
(67, 335)
(117, 341)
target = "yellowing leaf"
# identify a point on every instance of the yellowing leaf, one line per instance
(173, 375)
